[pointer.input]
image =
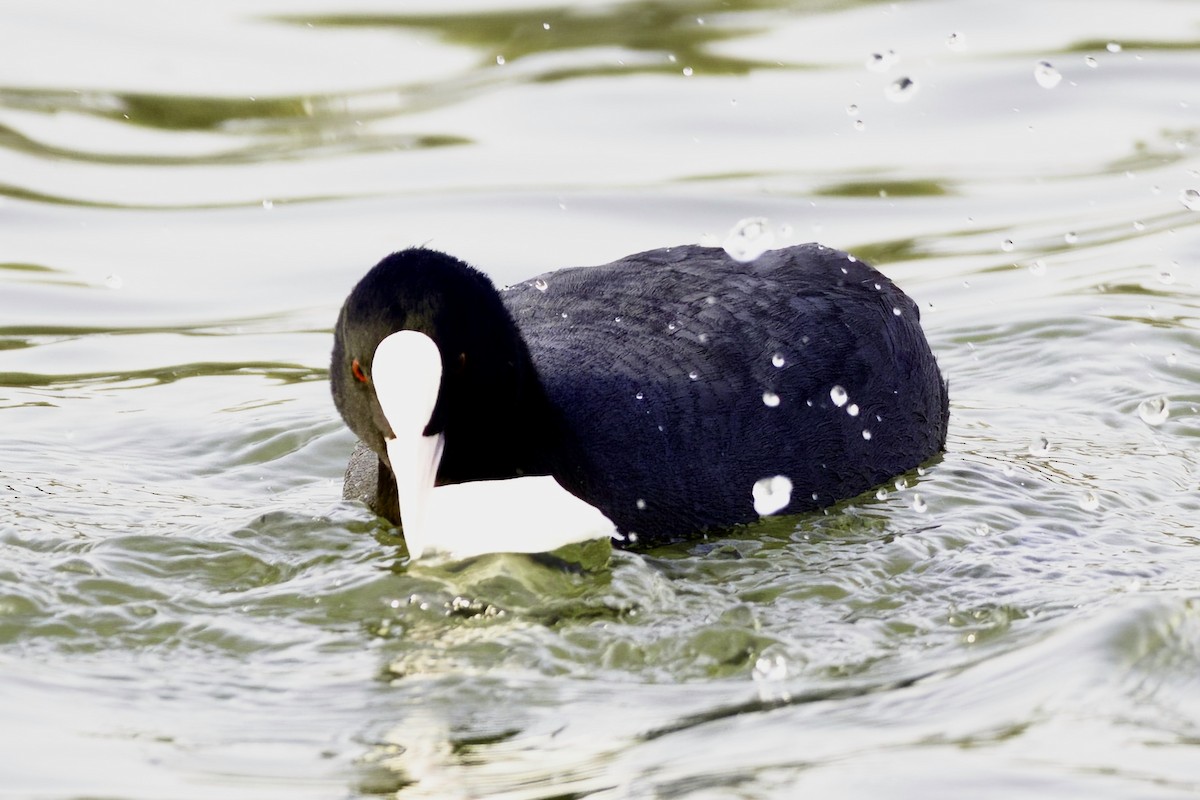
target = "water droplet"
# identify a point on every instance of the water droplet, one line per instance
(1112, 47)
(687, 72)
(859, 125)
(749, 239)
(1071, 237)
(867, 434)
(1190, 199)
(901, 90)
(1007, 245)
(1154, 411)
(1038, 268)
(771, 667)
(1139, 226)
(1090, 501)
(1039, 446)
(956, 41)
(564, 315)
(896, 312)
(983, 529)
(778, 360)
(882, 62)
(702, 338)
(771, 494)
(114, 281)
(268, 205)
(672, 326)
(1091, 61)
(1172, 359)
(693, 375)
(639, 396)
(641, 504)
(852, 409)
(1046, 75)
(770, 399)
(838, 395)
(881, 493)
(851, 109)
(1166, 277)
(540, 285)
(500, 61)
(671, 57)
(901, 484)
(617, 319)
(918, 504)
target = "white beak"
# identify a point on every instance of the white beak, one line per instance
(407, 372)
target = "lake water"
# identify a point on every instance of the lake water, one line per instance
(188, 191)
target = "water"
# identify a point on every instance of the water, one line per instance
(186, 608)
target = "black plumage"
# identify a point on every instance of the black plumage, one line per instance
(661, 387)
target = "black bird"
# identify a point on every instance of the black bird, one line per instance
(675, 390)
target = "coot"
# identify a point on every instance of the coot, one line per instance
(674, 391)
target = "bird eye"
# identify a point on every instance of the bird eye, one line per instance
(357, 370)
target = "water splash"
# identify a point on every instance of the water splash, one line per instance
(749, 239)
(1154, 411)
(771, 494)
(1046, 75)
(883, 61)
(771, 667)
(901, 90)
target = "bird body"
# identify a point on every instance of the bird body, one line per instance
(667, 389)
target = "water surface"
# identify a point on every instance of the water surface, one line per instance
(187, 609)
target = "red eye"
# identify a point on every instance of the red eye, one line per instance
(358, 373)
